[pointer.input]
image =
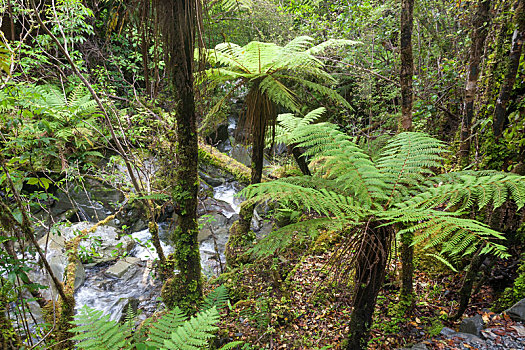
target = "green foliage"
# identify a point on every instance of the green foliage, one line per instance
(400, 187)
(269, 71)
(512, 295)
(172, 331)
(217, 298)
(194, 333)
(161, 330)
(287, 123)
(6, 56)
(96, 331)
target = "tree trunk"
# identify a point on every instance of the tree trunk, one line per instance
(407, 65)
(260, 111)
(466, 288)
(371, 260)
(500, 112)
(299, 159)
(478, 34)
(177, 23)
(407, 71)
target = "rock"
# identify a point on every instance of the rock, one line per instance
(122, 266)
(447, 331)
(211, 180)
(517, 311)
(418, 346)
(204, 234)
(105, 241)
(57, 261)
(472, 325)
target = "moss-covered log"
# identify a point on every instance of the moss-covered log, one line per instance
(211, 155)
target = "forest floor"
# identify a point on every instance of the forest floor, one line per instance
(310, 307)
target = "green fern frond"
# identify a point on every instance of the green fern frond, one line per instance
(217, 298)
(282, 238)
(194, 333)
(232, 345)
(95, 331)
(162, 329)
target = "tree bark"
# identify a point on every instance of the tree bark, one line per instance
(500, 112)
(370, 272)
(478, 34)
(177, 23)
(407, 71)
(407, 64)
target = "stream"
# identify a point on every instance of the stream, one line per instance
(118, 268)
(111, 287)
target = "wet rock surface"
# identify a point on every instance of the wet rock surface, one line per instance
(499, 332)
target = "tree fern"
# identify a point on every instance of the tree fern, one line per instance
(399, 187)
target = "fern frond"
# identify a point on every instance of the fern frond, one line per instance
(162, 329)
(456, 236)
(96, 331)
(194, 333)
(463, 190)
(407, 159)
(232, 345)
(217, 298)
(282, 238)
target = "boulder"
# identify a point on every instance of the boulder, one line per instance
(122, 266)
(517, 311)
(105, 241)
(472, 325)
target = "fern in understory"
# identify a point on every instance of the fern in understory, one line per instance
(97, 332)
(173, 331)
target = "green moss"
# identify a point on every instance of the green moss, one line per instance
(238, 244)
(211, 155)
(325, 241)
(513, 294)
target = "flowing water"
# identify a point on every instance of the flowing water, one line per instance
(137, 285)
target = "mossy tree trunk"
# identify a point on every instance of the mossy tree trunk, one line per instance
(372, 259)
(513, 61)
(177, 20)
(405, 124)
(478, 35)
(260, 113)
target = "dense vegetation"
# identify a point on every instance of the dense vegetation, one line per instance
(383, 181)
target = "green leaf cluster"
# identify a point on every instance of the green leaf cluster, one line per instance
(405, 186)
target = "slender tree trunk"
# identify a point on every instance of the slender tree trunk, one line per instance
(370, 273)
(259, 111)
(478, 35)
(177, 19)
(500, 112)
(468, 282)
(299, 158)
(407, 71)
(407, 64)
(144, 45)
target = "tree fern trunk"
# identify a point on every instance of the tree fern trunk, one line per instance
(478, 34)
(466, 288)
(370, 272)
(301, 162)
(407, 64)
